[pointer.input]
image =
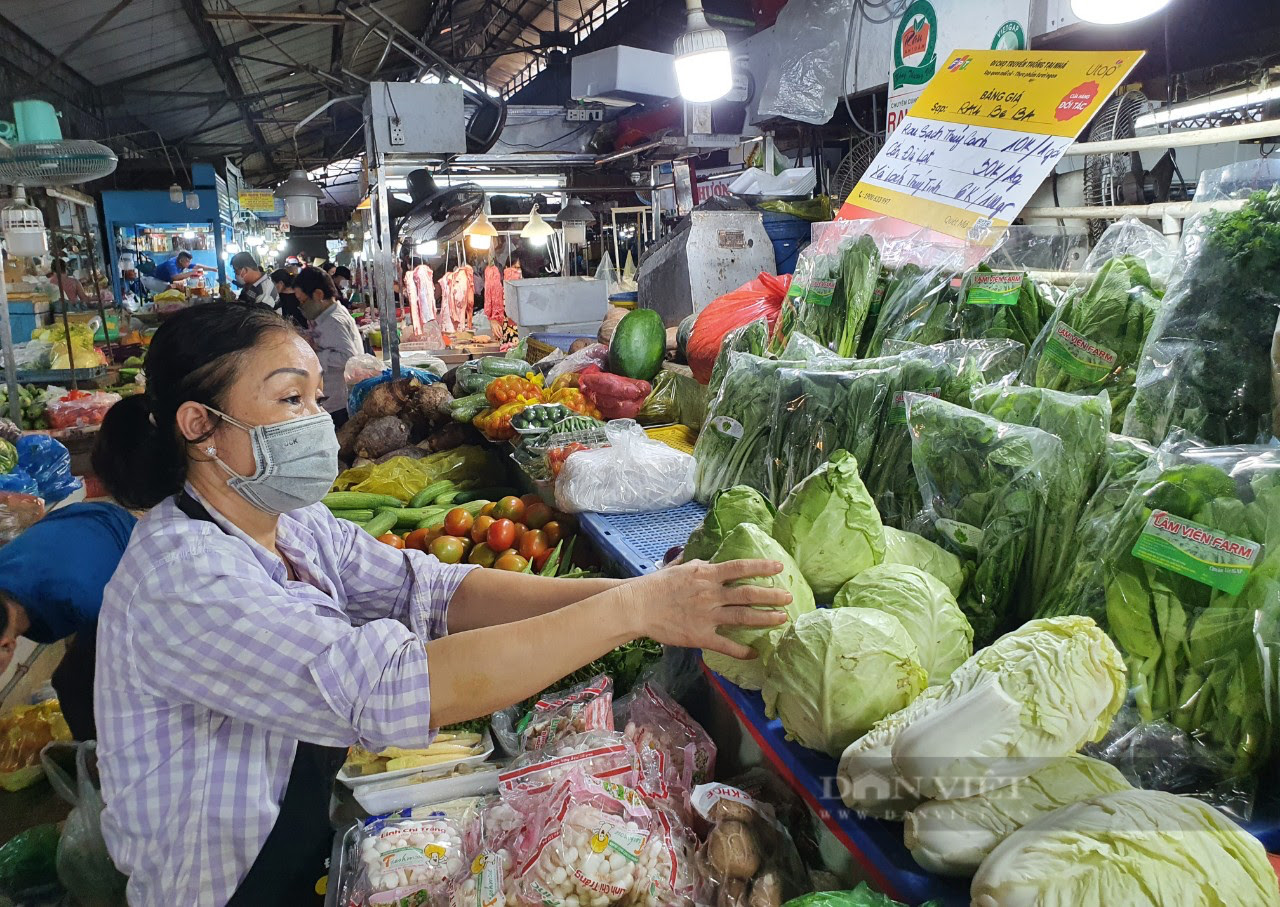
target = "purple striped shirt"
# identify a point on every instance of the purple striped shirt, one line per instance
(214, 664)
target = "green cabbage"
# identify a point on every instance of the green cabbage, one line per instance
(926, 608)
(830, 525)
(952, 837)
(1136, 848)
(1032, 696)
(729, 508)
(836, 672)
(917, 551)
(750, 542)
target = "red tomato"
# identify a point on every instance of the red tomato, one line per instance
(502, 535)
(554, 532)
(487, 509)
(458, 522)
(541, 560)
(419, 539)
(480, 528)
(521, 529)
(448, 549)
(510, 508)
(530, 499)
(533, 544)
(390, 538)
(537, 515)
(513, 562)
(483, 555)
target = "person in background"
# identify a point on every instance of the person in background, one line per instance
(254, 285)
(342, 280)
(334, 336)
(70, 287)
(287, 302)
(176, 268)
(44, 600)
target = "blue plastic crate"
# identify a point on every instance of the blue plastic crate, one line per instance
(560, 341)
(637, 542)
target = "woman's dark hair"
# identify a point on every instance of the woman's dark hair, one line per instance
(59, 266)
(194, 356)
(310, 279)
(280, 275)
(342, 271)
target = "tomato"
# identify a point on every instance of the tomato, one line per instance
(513, 562)
(448, 550)
(521, 529)
(530, 499)
(420, 539)
(554, 532)
(390, 538)
(501, 535)
(537, 515)
(480, 528)
(487, 509)
(510, 508)
(533, 544)
(483, 555)
(458, 522)
(541, 560)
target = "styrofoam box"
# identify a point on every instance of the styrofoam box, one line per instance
(585, 328)
(441, 768)
(545, 301)
(419, 790)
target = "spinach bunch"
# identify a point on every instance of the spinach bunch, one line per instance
(1111, 317)
(1209, 365)
(751, 337)
(830, 297)
(1021, 320)
(986, 486)
(916, 308)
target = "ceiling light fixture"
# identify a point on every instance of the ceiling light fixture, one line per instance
(1194, 110)
(175, 194)
(704, 70)
(481, 233)
(301, 199)
(188, 233)
(193, 201)
(1116, 12)
(536, 230)
(23, 226)
(430, 247)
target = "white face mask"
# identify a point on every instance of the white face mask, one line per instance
(295, 462)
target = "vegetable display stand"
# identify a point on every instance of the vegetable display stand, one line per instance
(62, 376)
(637, 542)
(874, 844)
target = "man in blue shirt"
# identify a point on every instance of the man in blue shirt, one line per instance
(51, 581)
(176, 268)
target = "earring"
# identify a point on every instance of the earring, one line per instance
(211, 450)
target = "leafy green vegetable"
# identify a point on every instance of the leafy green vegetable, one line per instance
(747, 542)
(925, 607)
(916, 308)
(752, 337)
(1021, 321)
(836, 672)
(830, 296)
(917, 551)
(862, 896)
(729, 508)
(830, 525)
(986, 485)
(1095, 339)
(1208, 364)
(1139, 848)
(8, 456)
(28, 860)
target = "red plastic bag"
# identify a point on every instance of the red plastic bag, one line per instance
(761, 297)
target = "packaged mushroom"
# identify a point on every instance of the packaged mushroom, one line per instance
(748, 859)
(673, 750)
(596, 843)
(407, 860)
(606, 755)
(489, 849)
(576, 710)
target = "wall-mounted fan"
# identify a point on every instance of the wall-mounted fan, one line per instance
(437, 215)
(42, 157)
(1114, 179)
(853, 165)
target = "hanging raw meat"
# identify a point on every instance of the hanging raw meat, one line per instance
(494, 304)
(426, 292)
(446, 304)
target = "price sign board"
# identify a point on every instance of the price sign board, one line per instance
(258, 201)
(988, 129)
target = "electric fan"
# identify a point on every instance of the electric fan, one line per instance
(1114, 179)
(440, 215)
(853, 165)
(42, 157)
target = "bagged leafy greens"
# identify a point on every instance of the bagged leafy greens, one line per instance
(916, 307)
(986, 487)
(1210, 364)
(831, 292)
(752, 337)
(999, 305)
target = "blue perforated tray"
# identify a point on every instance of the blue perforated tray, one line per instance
(637, 542)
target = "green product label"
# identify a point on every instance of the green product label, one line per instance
(614, 836)
(877, 300)
(898, 412)
(1010, 36)
(1078, 356)
(966, 537)
(818, 291)
(915, 57)
(1197, 551)
(995, 288)
(488, 879)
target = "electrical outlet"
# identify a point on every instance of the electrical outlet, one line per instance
(397, 131)
(584, 114)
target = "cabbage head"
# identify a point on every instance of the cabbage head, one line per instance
(830, 525)
(836, 672)
(917, 551)
(926, 608)
(1032, 696)
(749, 542)
(866, 778)
(952, 837)
(730, 507)
(1139, 848)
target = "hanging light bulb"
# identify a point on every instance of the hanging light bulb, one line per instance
(175, 194)
(481, 233)
(704, 70)
(188, 233)
(1116, 12)
(430, 247)
(536, 230)
(233, 247)
(573, 218)
(301, 199)
(23, 226)
(193, 201)
(281, 246)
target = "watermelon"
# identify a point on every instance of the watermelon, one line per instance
(683, 333)
(638, 345)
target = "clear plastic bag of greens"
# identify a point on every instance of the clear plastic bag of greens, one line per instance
(1095, 337)
(691, 401)
(999, 305)
(661, 407)
(1211, 363)
(916, 296)
(817, 208)
(84, 866)
(752, 338)
(985, 486)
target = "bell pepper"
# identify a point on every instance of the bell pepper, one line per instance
(568, 379)
(572, 398)
(512, 389)
(615, 396)
(495, 424)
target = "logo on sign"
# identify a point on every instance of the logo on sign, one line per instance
(915, 59)
(960, 63)
(1077, 101)
(1010, 36)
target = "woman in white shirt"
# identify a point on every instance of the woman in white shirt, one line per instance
(334, 335)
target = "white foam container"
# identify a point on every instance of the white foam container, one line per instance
(430, 771)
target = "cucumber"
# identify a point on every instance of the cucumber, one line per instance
(464, 409)
(360, 500)
(431, 492)
(381, 524)
(409, 517)
(497, 367)
(482, 494)
(638, 345)
(354, 516)
(447, 498)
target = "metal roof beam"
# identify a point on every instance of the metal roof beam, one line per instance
(326, 19)
(94, 28)
(160, 70)
(513, 15)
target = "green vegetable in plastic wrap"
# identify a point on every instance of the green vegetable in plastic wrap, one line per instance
(402, 477)
(661, 407)
(862, 896)
(28, 860)
(8, 456)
